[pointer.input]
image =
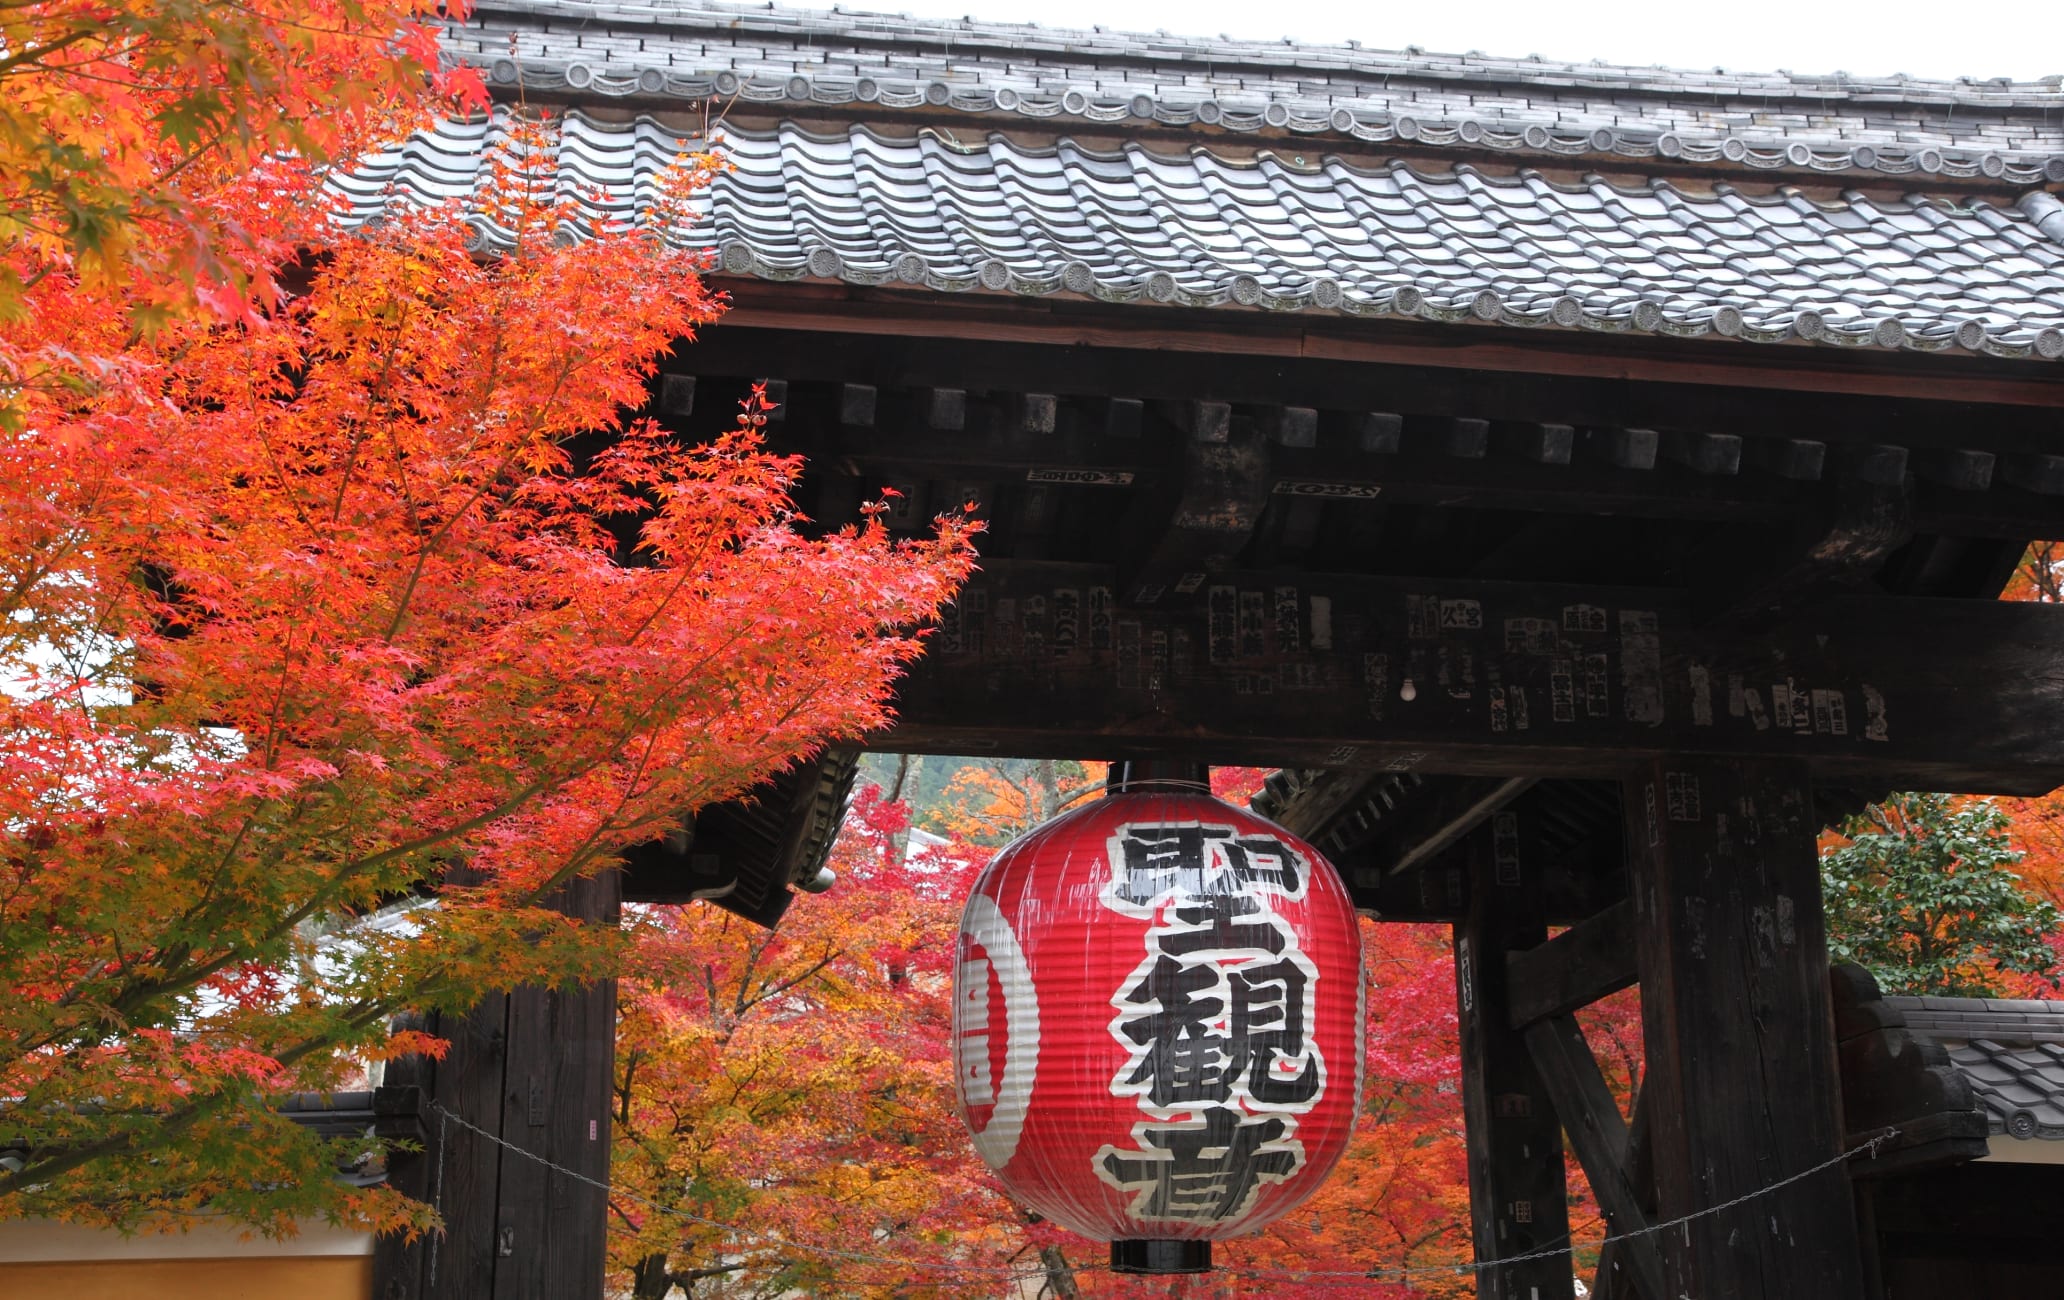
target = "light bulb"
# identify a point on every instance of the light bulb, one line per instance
(1407, 692)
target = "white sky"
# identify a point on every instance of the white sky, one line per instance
(2023, 39)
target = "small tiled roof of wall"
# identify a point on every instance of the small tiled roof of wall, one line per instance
(924, 207)
(2011, 1050)
(800, 60)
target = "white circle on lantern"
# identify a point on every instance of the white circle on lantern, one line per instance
(984, 922)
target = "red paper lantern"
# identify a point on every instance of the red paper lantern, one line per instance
(1158, 1016)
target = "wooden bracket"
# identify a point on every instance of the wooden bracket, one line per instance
(1445, 812)
(1836, 548)
(1311, 802)
(1223, 490)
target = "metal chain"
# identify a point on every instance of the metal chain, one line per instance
(1372, 1272)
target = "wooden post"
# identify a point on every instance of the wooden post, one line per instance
(1742, 1090)
(1517, 1197)
(534, 1067)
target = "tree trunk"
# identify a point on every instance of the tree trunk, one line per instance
(649, 1280)
(908, 766)
(905, 767)
(1060, 1275)
(1046, 786)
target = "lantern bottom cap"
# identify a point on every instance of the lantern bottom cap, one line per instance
(1156, 1256)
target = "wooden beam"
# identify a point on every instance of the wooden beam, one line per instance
(1736, 1019)
(668, 870)
(1599, 1136)
(1584, 963)
(1528, 476)
(1818, 378)
(552, 1231)
(1507, 680)
(1518, 1201)
(1516, 482)
(1352, 451)
(1585, 868)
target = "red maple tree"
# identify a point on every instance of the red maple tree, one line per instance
(129, 133)
(307, 605)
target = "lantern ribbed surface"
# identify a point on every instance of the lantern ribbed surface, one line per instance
(1158, 1019)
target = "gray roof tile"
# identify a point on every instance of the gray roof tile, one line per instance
(1199, 229)
(762, 54)
(2012, 1050)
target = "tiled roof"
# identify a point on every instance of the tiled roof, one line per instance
(2011, 1051)
(925, 207)
(804, 60)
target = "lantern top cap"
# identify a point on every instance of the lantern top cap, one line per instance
(1151, 775)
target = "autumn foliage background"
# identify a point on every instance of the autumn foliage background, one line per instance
(337, 573)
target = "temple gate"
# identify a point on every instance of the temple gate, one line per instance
(1584, 482)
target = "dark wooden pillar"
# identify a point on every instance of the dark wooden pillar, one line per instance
(1518, 1199)
(533, 1067)
(1742, 1089)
